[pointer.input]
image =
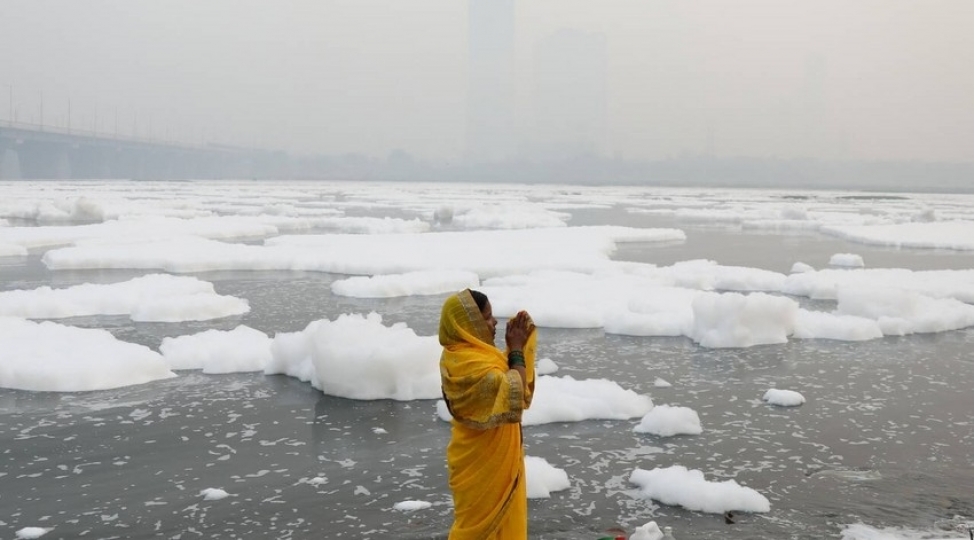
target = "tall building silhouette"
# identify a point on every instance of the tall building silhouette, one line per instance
(570, 94)
(490, 95)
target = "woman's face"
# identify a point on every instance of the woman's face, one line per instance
(489, 318)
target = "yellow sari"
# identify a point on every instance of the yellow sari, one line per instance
(485, 457)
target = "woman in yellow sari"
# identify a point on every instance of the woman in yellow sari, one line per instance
(486, 391)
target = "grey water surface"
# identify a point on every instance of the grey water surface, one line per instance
(884, 438)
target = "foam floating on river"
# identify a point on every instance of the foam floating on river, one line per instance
(783, 398)
(680, 486)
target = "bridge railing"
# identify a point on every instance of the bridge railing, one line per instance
(101, 135)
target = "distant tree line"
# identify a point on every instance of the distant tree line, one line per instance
(695, 171)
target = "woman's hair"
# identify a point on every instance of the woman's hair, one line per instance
(479, 298)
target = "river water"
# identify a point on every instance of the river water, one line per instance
(884, 438)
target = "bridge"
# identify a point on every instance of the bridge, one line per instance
(30, 151)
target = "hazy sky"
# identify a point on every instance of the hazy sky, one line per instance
(865, 79)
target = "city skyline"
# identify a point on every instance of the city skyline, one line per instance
(781, 80)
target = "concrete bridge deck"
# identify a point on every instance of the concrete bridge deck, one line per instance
(30, 151)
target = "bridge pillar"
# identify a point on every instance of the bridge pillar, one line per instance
(62, 163)
(9, 163)
(91, 161)
(44, 160)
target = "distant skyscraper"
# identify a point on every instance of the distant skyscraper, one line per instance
(812, 114)
(490, 96)
(570, 94)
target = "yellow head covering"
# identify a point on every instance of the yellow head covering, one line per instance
(461, 322)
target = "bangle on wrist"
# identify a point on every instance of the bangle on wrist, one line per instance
(516, 358)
